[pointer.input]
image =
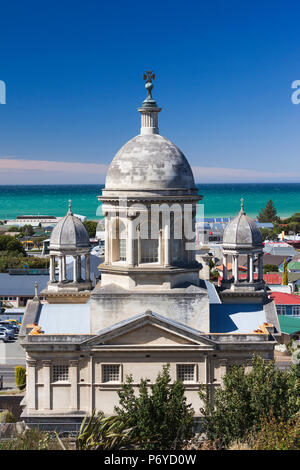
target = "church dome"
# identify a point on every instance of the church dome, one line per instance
(147, 162)
(242, 232)
(69, 234)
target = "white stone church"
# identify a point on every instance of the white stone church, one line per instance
(150, 308)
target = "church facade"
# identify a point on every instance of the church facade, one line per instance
(150, 307)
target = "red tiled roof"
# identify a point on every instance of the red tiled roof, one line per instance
(229, 267)
(281, 298)
(270, 278)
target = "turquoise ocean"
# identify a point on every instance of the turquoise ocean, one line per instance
(220, 200)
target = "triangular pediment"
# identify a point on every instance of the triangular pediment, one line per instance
(149, 330)
(150, 334)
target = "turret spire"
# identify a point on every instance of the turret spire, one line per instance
(149, 109)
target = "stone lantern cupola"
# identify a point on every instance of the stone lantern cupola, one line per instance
(242, 237)
(69, 238)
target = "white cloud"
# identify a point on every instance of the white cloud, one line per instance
(26, 171)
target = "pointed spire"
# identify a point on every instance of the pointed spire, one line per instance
(149, 109)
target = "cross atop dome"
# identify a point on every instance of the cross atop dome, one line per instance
(149, 102)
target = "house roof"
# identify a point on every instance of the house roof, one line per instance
(293, 277)
(277, 260)
(289, 324)
(269, 278)
(229, 267)
(294, 265)
(236, 318)
(65, 318)
(281, 298)
(22, 284)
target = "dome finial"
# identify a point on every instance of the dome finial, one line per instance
(242, 206)
(70, 208)
(149, 101)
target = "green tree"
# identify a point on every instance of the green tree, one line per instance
(268, 214)
(245, 398)
(91, 226)
(163, 418)
(27, 230)
(20, 376)
(285, 274)
(11, 244)
(270, 268)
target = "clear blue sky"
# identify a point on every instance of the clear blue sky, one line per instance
(73, 72)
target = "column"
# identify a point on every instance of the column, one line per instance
(139, 245)
(75, 269)
(260, 267)
(60, 268)
(106, 247)
(248, 268)
(160, 251)
(64, 269)
(251, 269)
(91, 374)
(225, 272)
(235, 268)
(47, 384)
(52, 268)
(87, 267)
(73, 374)
(31, 381)
(167, 245)
(79, 268)
(130, 241)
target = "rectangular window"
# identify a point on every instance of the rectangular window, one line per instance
(60, 373)
(122, 249)
(110, 373)
(296, 311)
(281, 309)
(149, 251)
(186, 372)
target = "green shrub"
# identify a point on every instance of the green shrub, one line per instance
(160, 416)
(6, 416)
(246, 397)
(20, 375)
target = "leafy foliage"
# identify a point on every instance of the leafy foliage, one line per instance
(91, 226)
(268, 214)
(20, 376)
(160, 420)
(270, 268)
(276, 434)
(245, 398)
(8, 243)
(104, 433)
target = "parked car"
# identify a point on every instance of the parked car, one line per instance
(10, 326)
(10, 331)
(4, 336)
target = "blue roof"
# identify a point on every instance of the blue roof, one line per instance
(23, 284)
(65, 318)
(236, 318)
